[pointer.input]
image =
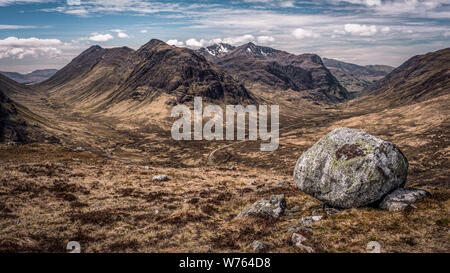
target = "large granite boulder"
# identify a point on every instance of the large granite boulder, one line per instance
(350, 168)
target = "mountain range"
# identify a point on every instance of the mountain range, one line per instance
(32, 77)
(148, 80)
(259, 67)
(356, 78)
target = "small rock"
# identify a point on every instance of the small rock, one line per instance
(148, 168)
(232, 168)
(253, 183)
(282, 184)
(272, 207)
(258, 246)
(76, 159)
(160, 177)
(298, 239)
(59, 164)
(309, 221)
(79, 149)
(128, 162)
(11, 143)
(156, 211)
(402, 198)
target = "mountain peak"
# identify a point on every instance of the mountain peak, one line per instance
(251, 49)
(218, 49)
(155, 43)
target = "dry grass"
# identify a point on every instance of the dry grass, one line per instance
(111, 207)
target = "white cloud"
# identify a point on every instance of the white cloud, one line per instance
(385, 29)
(265, 39)
(175, 42)
(239, 39)
(28, 42)
(301, 33)
(144, 31)
(73, 2)
(369, 3)
(362, 30)
(120, 33)
(195, 44)
(15, 27)
(101, 37)
(12, 2)
(18, 48)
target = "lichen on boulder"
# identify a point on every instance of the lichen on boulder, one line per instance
(350, 168)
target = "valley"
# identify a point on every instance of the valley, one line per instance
(79, 152)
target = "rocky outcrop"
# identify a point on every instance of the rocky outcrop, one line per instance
(350, 168)
(402, 198)
(272, 207)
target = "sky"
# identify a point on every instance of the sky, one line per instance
(41, 34)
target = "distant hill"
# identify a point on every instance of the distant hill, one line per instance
(260, 67)
(420, 78)
(33, 77)
(356, 78)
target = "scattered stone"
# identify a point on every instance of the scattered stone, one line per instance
(298, 239)
(148, 168)
(350, 168)
(253, 183)
(272, 207)
(128, 162)
(402, 198)
(11, 143)
(258, 246)
(59, 164)
(310, 220)
(232, 168)
(160, 177)
(79, 149)
(76, 159)
(156, 211)
(282, 184)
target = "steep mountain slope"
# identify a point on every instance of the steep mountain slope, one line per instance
(10, 87)
(420, 78)
(12, 124)
(92, 75)
(179, 72)
(356, 78)
(32, 77)
(266, 68)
